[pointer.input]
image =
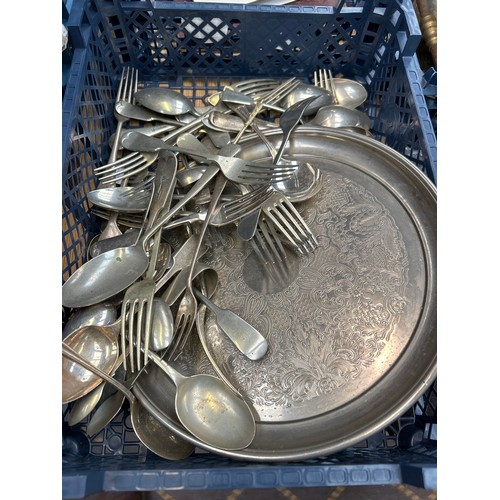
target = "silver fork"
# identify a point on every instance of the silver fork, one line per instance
(324, 80)
(231, 211)
(235, 169)
(126, 91)
(125, 167)
(267, 244)
(290, 224)
(139, 297)
(269, 250)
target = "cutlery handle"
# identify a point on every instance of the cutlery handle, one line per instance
(244, 336)
(207, 176)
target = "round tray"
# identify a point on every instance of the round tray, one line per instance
(351, 326)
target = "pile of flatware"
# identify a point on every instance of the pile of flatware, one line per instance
(175, 166)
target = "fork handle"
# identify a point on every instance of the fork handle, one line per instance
(207, 176)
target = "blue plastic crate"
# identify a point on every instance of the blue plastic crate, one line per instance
(199, 47)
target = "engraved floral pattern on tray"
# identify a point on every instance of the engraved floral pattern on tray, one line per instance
(333, 318)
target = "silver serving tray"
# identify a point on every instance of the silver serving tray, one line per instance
(351, 327)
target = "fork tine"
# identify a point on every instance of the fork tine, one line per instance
(262, 174)
(120, 162)
(291, 224)
(145, 310)
(274, 243)
(315, 78)
(124, 167)
(247, 201)
(123, 334)
(128, 319)
(133, 86)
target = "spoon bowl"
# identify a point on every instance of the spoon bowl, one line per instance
(348, 93)
(165, 101)
(162, 328)
(98, 345)
(304, 91)
(335, 116)
(98, 314)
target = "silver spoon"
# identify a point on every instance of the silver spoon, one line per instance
(335, 116)
(165, 101)
(303, 91)
(209, 409)
(98, 344)
(151, 432)
(135, 112)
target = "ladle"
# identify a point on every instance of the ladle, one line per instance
(152, 433)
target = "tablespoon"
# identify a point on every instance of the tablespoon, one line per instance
(209, 409)
(151, 432)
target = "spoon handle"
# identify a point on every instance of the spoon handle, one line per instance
(164, 184)
(244, 336)
(177, 378)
